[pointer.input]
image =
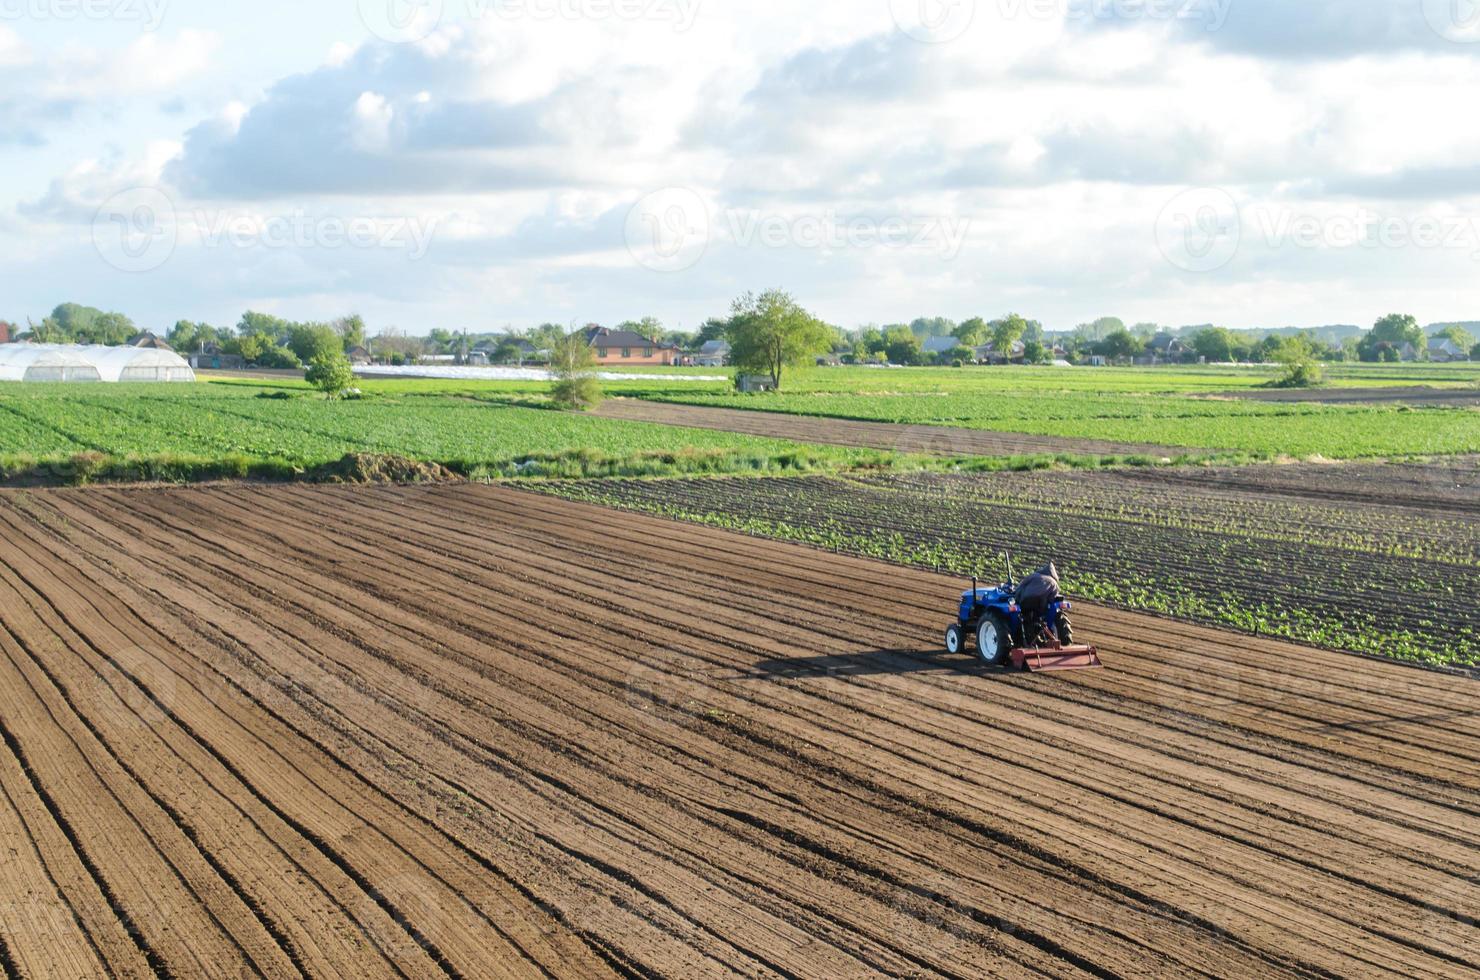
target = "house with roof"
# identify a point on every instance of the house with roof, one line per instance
(714, 353)
(988, 354)
(1442, 350)
(149, 341)
(627, 347)
(359, 355)
(1166, 348)
(211, 358)
(939, 347)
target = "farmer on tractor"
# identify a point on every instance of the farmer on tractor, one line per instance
(1034, 596)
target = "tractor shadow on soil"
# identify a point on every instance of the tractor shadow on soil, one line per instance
(872, 663)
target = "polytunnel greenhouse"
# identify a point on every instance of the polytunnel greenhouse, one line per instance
(137, 364)
(70, 362)
(38, 362)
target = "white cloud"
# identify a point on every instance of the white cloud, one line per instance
(1054, 145)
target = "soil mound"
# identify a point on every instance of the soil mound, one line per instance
(380, 468)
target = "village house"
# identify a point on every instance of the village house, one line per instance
(626, 347)
(714, 353)
(210, 358)
(147, 340)
(1442, 350)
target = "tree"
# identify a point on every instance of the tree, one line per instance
(932, 326)
(1215, 344)
(1120, 344)
(508, 349)
(330, 372)
(902, 346)
(964, 355)
(351, 330)
(573, 363)
(276, 358)
(73, 318)
(190, 337)
(309, 340)
(1035, 353)
(1475, 353)
(1301, 369)
(772, 331)
(263, 325)
(1385, 340)
(714, 329)
(973, 332)
(1006, 332)
(1457, 334)
(546, 335)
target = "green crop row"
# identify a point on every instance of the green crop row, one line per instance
(1265, 429)
(1353, 594)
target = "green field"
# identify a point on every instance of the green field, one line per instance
(228, 426)
(177, 429)
(1168, 406)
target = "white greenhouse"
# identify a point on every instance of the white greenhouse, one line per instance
(76, 362)
(137, 364)
(37, 362)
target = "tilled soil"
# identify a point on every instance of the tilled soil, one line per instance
(1418, 395)
(931, 440)
(469, 731)
(1378, 558)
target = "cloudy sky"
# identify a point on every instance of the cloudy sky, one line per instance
(476, 163)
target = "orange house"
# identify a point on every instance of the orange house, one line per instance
(625, 347)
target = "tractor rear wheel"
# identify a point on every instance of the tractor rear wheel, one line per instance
(1066, 631)
(993, 640)
(955, 639)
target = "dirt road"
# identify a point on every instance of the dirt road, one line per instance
(469, 731)
(933, 440)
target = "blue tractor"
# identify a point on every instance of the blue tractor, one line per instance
(1038, 637)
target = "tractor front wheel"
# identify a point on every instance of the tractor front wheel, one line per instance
(955, 639)
(993, 640)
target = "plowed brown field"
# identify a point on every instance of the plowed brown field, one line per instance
(469, 731)
(929, 440)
